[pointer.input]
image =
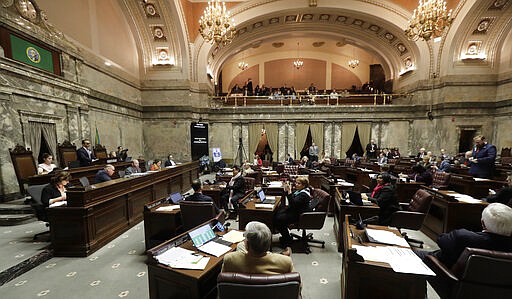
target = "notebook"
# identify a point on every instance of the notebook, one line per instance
(175, 197)
(266, 199)
(205, 240)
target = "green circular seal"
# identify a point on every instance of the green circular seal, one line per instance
(33, 55)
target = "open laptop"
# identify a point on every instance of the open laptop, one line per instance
(175, 198)
(205, 240)
(356, 199)
(266, 199)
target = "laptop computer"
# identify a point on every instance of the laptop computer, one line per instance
(175, 198)
(266, 199)
(205, 240)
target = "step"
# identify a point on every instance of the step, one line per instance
(8, 208)
(16, 219)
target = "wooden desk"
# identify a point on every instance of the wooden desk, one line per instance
(405, 191)
(166, 282)
(466, 184)
(342, 211)
(447, 214)
(214, 192)
(160, 226)
(251, 213)
(97, 214)
(366, 279)
(330, 185)
(315, 176)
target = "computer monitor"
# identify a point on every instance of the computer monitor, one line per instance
(175, 198)
(201, 235)
(261, 195)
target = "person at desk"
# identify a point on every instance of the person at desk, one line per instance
(495, 235)
(482, 159)
(420, 174)
(198, 195)
(384, 196)
(504, 195)
(134, 168)
(170, 161)
(257, 161)
(298, 202)
(289, 159)
(156, 165)
(105, 174)
(56, 190)
(313, 152)
(84, 155)
(247, 169)
(253, 257)
(233, 192)
(382, 159)
(47, 166)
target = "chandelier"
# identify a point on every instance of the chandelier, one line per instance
(353, 63)
(428, 20)
(298, 63)
(215, 24)
(243, 65)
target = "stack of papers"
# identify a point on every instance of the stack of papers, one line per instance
(234, 236)
(464, 198)
(385, 237)
(263, 205)
(168, 208)
(59, 204)
(214, 248)
(402, 260)
(180, 258)
(275, 184)
(480, 179)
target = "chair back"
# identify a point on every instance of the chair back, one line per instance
(441, 180)
(121, 173)
(420, 202)
(24, 164)
(249, 184)
(67, 153)
(482, 274)
(315, 219)
(280, 168)
(100, 151)
(194, 213)
(265, 163)
(257, 286)
(413, 216)
(505, 152)
(291, 169)
(36, 192)
(84, 181)
(506, 160)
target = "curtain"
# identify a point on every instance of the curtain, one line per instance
(254, 138)
(301, 133)
(364, 129)
(33, 138)
(50, 134)
(317, 132)
(272, 135)
(347, 135)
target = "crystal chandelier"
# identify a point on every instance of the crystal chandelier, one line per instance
(428, 20)
(298, 63)
(215, 24)
(243, 65)
(353, 63)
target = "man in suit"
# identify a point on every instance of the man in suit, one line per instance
(84, 154)
(134, 168)
(105, 174)
(198, 194)
(253, 256)
(482, 160)
(495, 235)
(371, 150)
(313, 152)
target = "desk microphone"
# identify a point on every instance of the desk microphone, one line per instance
(360, 224)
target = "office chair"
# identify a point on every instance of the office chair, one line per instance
(478, 273)
(312, 220)
(194, 213)
(36, 191)
(441, 180)
(84, 181)
(257, 286)
(412, 214)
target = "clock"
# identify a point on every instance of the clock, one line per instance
(26, 9)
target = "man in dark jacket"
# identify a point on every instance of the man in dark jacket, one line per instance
(482, 160)
(198, 194)
(105, 174)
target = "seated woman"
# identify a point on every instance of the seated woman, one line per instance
(420, 174)
(384, 195)
(56, 190)
(298, 202)
(257, 161)
(156, 165)
(233, 192)
(47, 166)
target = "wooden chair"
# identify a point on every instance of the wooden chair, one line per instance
(257, 286)
(24, 165)
(100, 151)
(66, 153)
(505, 152)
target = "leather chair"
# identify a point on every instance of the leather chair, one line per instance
(478, 273)
(194, 213)
(100, 151)
(291, 169)
(413, 213)
(249, 184)
(312, 220)
(24, 164)
(36, 192)
(265, 163)
(280, 168)
(441, 180)
(257, 286)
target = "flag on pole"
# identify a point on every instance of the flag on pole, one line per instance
(97, 137)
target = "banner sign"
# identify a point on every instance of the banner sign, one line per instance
(199, 140)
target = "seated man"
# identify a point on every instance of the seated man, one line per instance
(496, 235)
(105, 174)
(134, 168)
(253, 256)
(198, 194)
(247, 169)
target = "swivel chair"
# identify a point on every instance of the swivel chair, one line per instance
(257, 286)
(36, 191)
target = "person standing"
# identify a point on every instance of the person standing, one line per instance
(250, 91)
(482, 159)
(84, 155)
(371, 150)
(313, 152)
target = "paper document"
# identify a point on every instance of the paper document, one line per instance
(346, 184)
(180, 258)
(480, 179)
(270, 197)
(385, 237)
(465, 198)
(275, 184)
(168, 208)
(234, 236)
(214, 248)
(263, 205)
(59, 204)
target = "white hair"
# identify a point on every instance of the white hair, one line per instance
(497, 218)
(258, 237)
